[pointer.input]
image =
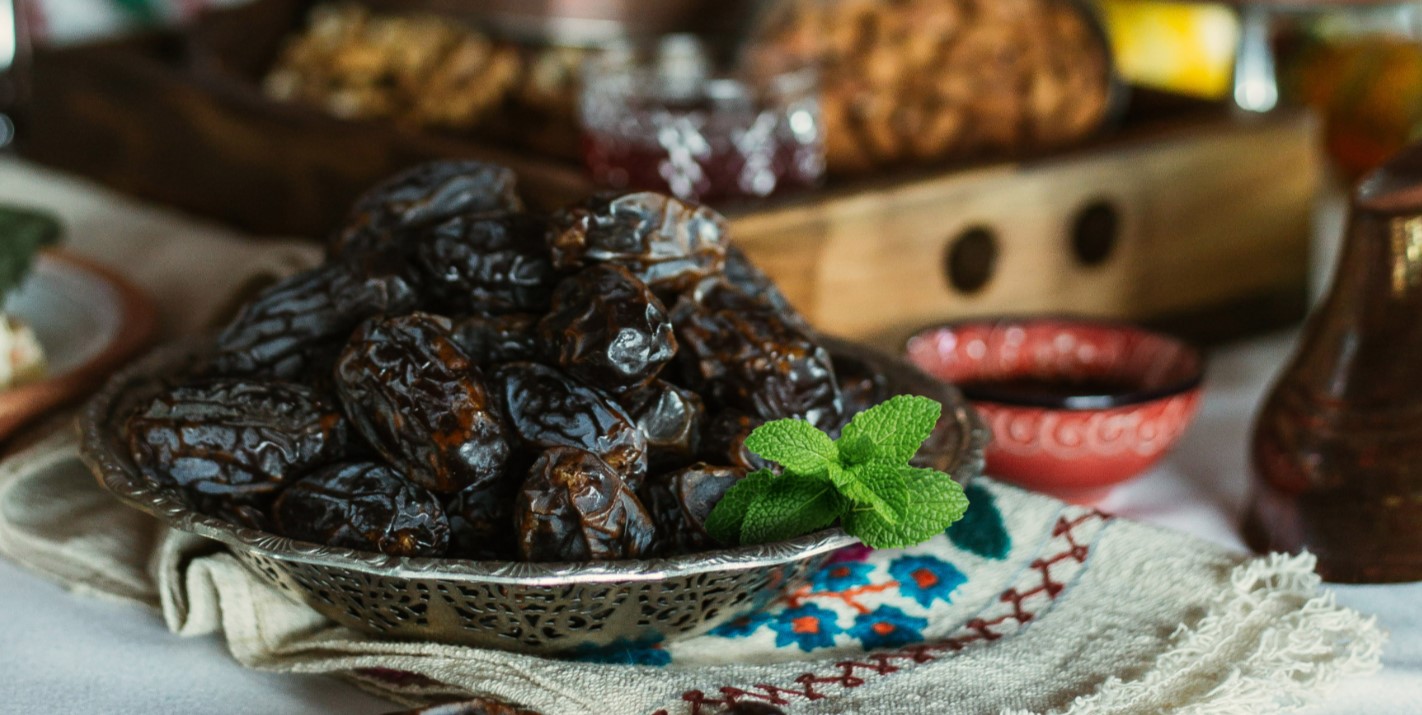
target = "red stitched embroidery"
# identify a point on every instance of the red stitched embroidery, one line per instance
(882, 663)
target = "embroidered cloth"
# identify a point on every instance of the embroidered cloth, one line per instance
(1029, 605)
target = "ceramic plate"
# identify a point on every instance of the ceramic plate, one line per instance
(89, 322)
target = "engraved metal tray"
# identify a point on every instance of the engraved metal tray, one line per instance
(539, 608)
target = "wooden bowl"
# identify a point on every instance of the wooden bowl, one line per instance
(89, 321)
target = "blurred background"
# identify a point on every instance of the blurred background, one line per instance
(1164, 162)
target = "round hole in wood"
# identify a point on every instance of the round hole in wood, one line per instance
(971, 259)
(1094, 232)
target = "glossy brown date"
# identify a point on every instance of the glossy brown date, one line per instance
(680, 501)
(607, 329)
(546, 408)
(667, 243)
(485, 264)
(363, 506)
(671, 419)
(422, 403)
(574, 507)
(481, 521)
(422, 196)
(295, 328)
(742, 354)
(235, 439)
(490, 340)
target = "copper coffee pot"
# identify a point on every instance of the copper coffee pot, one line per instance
(1338, 445)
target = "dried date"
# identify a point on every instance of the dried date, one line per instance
(546, 408)
(422, 196)
(422, 403)
(607, 329)
(750, 280)
(363, 506)
(574, 507)
(667, 243)
(486, 264)
(680, 501)
(235, 439)
(671, 419)
(489, 340)
(742, 354)
(861, 386)
(481, 521)
(724, 441)
(295, 328)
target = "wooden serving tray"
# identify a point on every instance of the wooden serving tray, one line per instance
(1184, 212)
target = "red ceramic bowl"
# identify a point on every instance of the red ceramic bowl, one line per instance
(1076, 406)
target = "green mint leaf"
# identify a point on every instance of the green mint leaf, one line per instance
(725, 520)
(791, 506)
(864, 489)
(795, 445)
(891, 431)
(928, 503)
(22, 233)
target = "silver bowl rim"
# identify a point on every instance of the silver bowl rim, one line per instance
(117, 474)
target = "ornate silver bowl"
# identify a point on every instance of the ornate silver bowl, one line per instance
(539, 608)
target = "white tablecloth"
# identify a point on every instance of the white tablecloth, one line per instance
(64, 653)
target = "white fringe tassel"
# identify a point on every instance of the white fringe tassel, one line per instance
(1275, 642)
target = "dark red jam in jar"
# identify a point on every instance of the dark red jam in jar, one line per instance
(666, 121)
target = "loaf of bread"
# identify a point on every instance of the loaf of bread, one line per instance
(929, 81)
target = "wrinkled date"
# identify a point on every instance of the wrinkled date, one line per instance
(230, 438)
(420, 401)
(680, 501)
(668, 244)
(547, 408)
(741, 354)
(724, 440)
(752, 281)
(671, 419)
(486, 264)
(574, 507)
(489, 340)
(606, 328)
(860, 386)
(363, 506)
(481, 521)
(421, 196)
(296, 327)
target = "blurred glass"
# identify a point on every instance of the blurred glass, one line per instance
(1361, 69)
(663, 118)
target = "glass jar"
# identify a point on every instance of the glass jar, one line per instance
(663, 118)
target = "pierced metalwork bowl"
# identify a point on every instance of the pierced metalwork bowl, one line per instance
(529, 607)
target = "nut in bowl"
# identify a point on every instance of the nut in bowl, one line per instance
(1076, 406)
(479, 425)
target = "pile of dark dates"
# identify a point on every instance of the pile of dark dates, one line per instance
(469, 379)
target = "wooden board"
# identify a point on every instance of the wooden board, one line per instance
(1207, 214)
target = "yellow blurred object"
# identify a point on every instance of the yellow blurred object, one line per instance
(1186, 48)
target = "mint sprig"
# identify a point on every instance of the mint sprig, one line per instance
(863, 480)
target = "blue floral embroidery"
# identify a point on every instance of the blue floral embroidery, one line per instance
(808, 626)
(926, 579)
(625, 652)
(841, 576)
(741, 626)
(887, 627)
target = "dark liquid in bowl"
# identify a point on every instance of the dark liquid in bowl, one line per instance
(1032, 390)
